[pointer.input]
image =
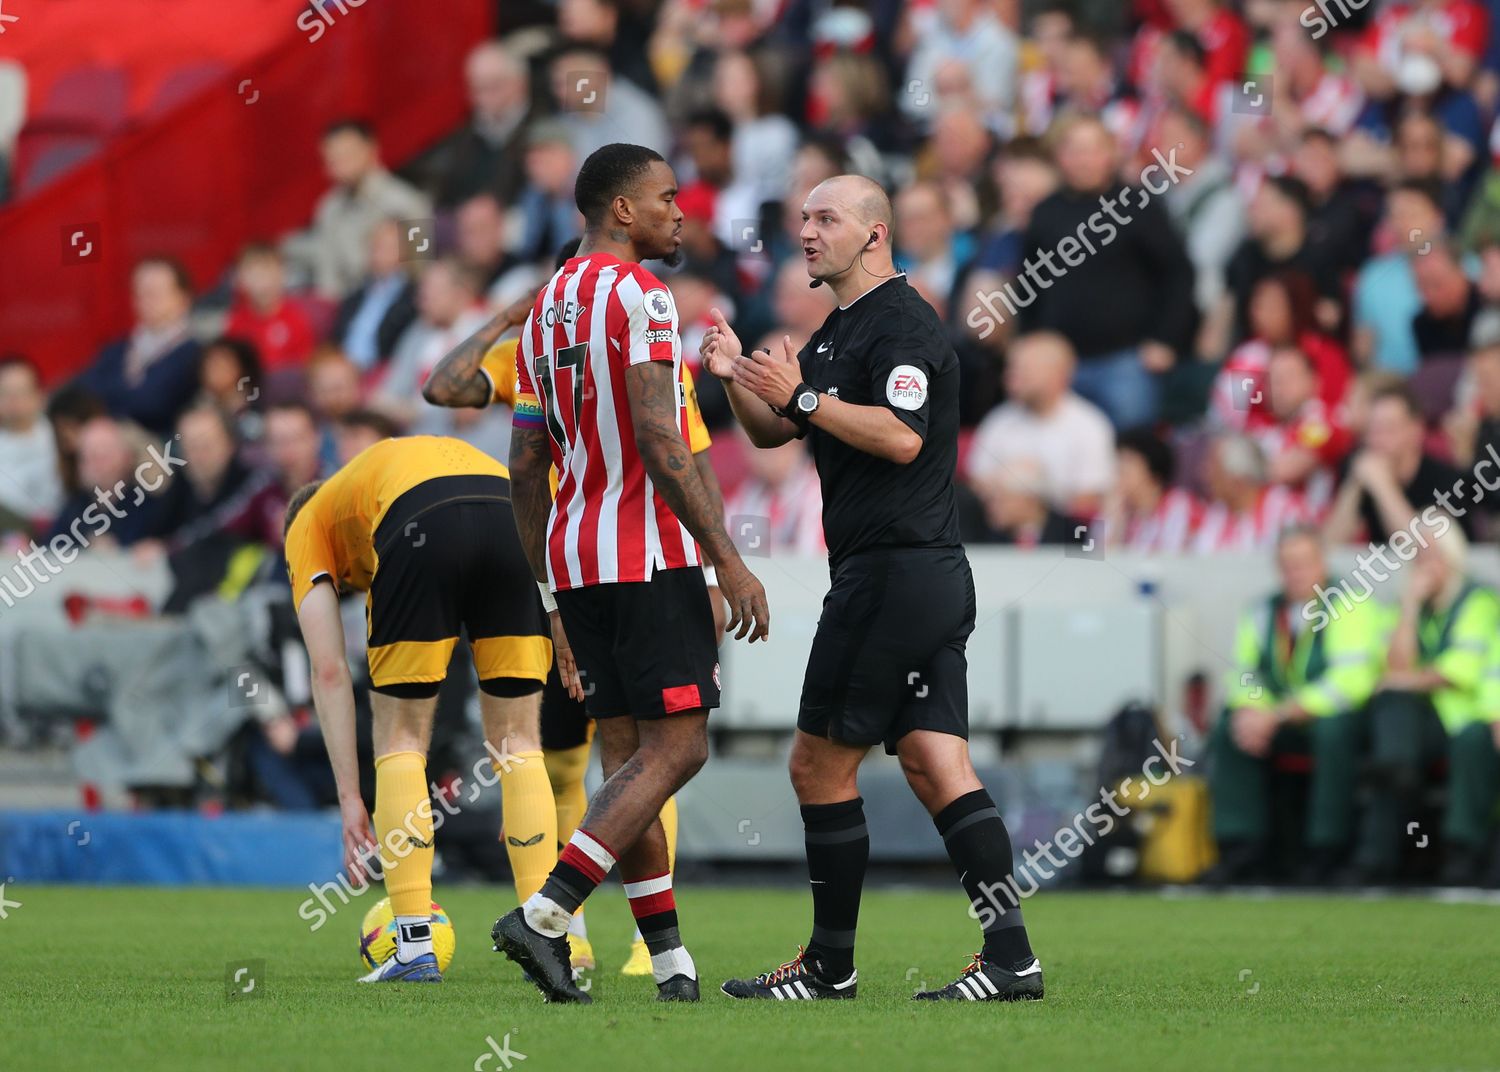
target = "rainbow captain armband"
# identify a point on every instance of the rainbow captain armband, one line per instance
(529, 412)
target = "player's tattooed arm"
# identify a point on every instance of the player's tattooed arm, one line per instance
(531, 493)
(651, 387)
(457, 380)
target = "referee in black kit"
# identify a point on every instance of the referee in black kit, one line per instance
(876, 392)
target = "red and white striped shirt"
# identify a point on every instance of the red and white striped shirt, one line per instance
(1168, 529)
(1221, 529)
(596, 317)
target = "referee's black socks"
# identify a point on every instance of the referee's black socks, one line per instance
(838, 850)
(979, 846)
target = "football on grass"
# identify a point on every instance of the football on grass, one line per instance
(377, 935)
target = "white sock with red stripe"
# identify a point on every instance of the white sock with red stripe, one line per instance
(581, 867)
(655, 911)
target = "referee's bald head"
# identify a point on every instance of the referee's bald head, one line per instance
(846, 233)
(863, 198)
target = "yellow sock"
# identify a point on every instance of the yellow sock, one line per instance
(566, 768)
(669, 827)
(402, 805)
(530, 817)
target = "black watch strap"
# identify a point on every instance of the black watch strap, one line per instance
(795, 415)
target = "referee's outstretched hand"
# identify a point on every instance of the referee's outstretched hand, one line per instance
(720, 347)
(748, 610)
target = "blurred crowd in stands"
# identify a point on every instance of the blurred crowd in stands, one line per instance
(1210, 271)
(1213, 268)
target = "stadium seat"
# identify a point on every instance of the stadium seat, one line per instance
(181, 84)
(93, 99)
(42, 156)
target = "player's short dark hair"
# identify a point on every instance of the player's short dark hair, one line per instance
(372, 421)
(357, 127)
(1322, 134)
(1400, 392)
(610, 172)
(715, 120)
(1158, 455)
(299, 499)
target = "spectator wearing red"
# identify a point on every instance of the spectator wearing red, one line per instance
(1305, 443)
(1144, 511)
(262, 313)
(1282, 313)
(1441, 41)
(1221, 36)
(780, 501)
(1245, 511)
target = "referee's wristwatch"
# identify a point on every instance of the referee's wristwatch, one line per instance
(804, 403)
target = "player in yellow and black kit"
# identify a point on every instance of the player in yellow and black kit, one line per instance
(424, 526)
(481, 372)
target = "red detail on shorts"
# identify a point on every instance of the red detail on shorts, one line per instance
(681, 698)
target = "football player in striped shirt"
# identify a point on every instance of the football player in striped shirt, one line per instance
(481, 371)
(601, 400)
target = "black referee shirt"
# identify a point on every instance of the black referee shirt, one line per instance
(888, 348)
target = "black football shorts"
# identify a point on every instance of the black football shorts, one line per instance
(888, 656)
(448, 559)
(645, 648)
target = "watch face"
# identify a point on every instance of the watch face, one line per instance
(807, 401)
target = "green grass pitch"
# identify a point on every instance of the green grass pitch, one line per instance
(136, 979)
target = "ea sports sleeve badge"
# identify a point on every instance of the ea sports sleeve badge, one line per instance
(906, 387)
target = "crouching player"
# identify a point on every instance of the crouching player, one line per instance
(424, 526)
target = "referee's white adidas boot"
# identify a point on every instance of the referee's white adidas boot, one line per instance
(983, 981)
(796, 980)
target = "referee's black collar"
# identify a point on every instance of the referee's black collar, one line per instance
(872, 290)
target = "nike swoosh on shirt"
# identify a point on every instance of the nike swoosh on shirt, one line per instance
(822, 348)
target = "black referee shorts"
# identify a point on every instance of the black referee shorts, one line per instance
(645, 648)
(888, 656)
(448, 559)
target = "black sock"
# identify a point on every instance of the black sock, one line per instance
(838, 849)
(979, 846)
